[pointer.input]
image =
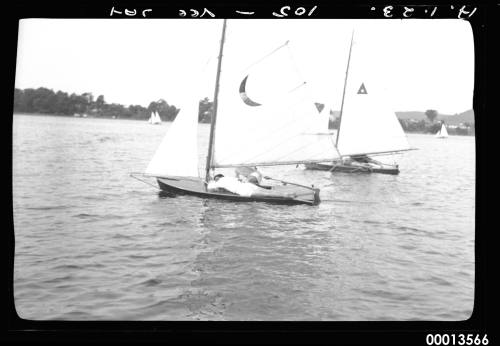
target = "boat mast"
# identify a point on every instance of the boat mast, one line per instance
(343, 94)
(214, 114)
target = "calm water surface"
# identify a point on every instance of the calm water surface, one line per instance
(92, 243)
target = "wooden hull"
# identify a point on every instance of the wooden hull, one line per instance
(196, 187)
(346, 168)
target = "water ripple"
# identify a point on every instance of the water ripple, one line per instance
(93, 243)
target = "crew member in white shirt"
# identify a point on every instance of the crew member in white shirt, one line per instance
(241, 188)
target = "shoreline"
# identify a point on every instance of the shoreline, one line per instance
(166, 121)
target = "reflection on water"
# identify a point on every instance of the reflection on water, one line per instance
(92, 243)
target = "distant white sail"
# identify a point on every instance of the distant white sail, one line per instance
(157, 119)
(265, 113)
(177, 154)
(442, 133)
(368, 124)
(151, 118)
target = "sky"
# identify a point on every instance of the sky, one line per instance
(420, 64)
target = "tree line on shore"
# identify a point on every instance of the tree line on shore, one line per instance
(46, 101)
(430, 125)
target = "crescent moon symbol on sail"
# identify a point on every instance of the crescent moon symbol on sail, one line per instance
(244, 96)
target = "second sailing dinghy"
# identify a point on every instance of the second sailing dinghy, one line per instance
(367, 126)
(157, 118)
(442, 133)
(154, 118)
(261, 117)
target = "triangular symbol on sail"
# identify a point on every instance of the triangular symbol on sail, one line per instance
(362, 89)
(319, 106)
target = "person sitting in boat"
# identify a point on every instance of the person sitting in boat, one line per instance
(250, 175)
(347, 160)
(242, 188)
(361, 158)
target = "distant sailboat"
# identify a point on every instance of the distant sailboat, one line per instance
(157, 118)
(154, 118)
(367, 125)
(271, 128)
(442, 133)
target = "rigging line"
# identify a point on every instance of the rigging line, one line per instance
(267, 55)
(297, 87)
(145, 182)
(206, 64)
(297, 70)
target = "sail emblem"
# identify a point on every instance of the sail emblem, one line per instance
(362, 89)
(319, 106)
(244, 96)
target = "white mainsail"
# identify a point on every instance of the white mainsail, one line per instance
(151, 118)
(177, 154)
(368, 125)
(265, 111)
(442, 133)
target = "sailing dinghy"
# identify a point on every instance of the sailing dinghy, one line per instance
(442, 133)
(367, 126)
(261, 117)
(155, 118)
